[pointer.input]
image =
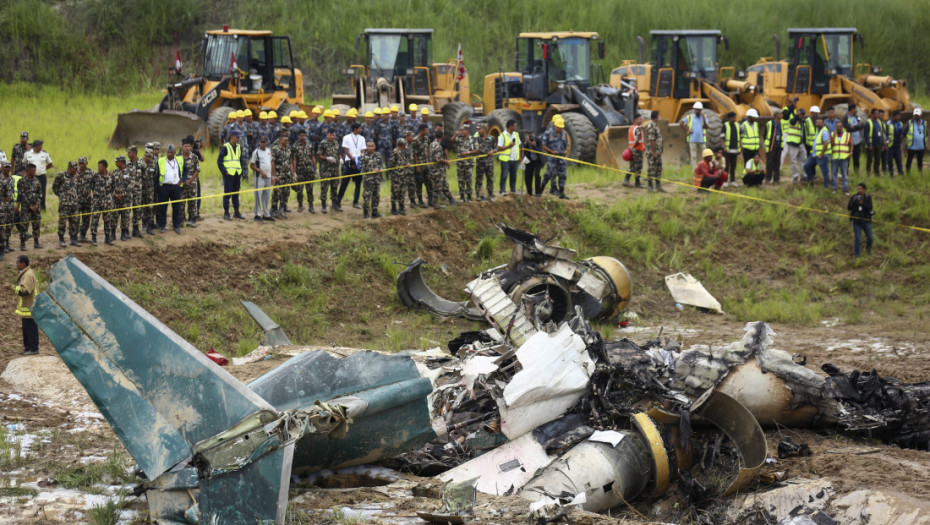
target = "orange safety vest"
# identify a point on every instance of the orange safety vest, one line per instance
(639, 145)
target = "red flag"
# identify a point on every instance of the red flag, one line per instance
(233, 67)
(177, 61)
(460, 65)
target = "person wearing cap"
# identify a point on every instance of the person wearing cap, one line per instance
(794, 153)
(876, 141)
(3, 157)
(695, 125)
(915, 139)
(19, 151)
(350, 118)
(122, 200)
(401, 176)
(261, 168)
(555, 143)
(26, 289)
(313, 126)
(305, 169)
(368, 126)
(137, 168)
(65, 187)
(328, 162)
(772, 143)
(465, 150)
(420, 153)
(191, 179)
(439, 163)
(149, 178)
(29, 206)
(424, 116)
(102, 201)
(414, 118)
(484, 166)
(7, 205)
(854, 125)
(282, 174)
(85, 177)
(170, 171)
(372, 165)
(708, 173)
(229, 162)
(42, 162)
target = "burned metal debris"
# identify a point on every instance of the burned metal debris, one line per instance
(542, 279)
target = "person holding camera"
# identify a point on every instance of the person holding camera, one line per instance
(860, 213)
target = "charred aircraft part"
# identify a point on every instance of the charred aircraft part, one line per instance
(212, 449)
(274, 334)
(544, 280)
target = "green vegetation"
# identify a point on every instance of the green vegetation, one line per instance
(106, 513)
(10, 452)
(84, 45)
(91, 476)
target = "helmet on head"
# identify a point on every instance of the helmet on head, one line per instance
(263, 114)
(272, 114)
(815, 109)
(707, 153)
(285, 120)
(352, 112)
(697, 105)
(752, 113)
(412, 107)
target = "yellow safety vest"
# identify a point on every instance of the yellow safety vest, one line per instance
(16, 187)
(842, 147)
(909, 134)
(505, 153)
(750, 136)
(26, 278)
(726, 135)
(690, 119)
(163, 163)
(821, 144)
(232, 161)
(752, 165)
(792, 131)
(770, 135)
(810, 131)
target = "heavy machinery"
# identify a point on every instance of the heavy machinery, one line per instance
(399, 70)
(554, 77)
(264, 78)
(819, 71)
(683, 71)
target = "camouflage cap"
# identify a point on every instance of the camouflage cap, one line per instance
(6, 164)
(82, 160)
(72, 164)
(121, 158)
(132, 148)
(401, 142)
(24, 135)
(156, 145)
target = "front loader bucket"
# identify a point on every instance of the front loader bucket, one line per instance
(675, 152)
(610, 145)
(167, 127)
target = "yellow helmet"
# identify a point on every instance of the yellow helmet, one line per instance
(377, 111)
(263, 114)
(246, 112)
(352, 112)
(272, 114)
(369, 114)
(317, 110)
(285, 120)
(293, 113)
(558, 121)
(412, 107)
(707, 153)
(233, 115)
(302, 114)
(327, 114)
(395, 109)
(335, 111)
(424, 111)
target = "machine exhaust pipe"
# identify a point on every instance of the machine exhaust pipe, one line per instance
(777, 47)
(642, 49)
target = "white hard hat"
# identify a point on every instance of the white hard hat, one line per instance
(752, 113)
(918, 112)
(698, 105)
(815, 109)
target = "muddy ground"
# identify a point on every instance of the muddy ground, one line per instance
(66, 429)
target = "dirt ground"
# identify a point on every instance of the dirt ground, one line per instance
(41, 394)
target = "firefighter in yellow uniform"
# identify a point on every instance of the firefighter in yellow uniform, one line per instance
(25, 290)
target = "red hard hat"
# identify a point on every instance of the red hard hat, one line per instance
(628, 154)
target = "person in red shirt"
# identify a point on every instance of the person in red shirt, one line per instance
(708, 173)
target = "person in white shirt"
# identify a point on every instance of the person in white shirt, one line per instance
(170, 169)
(353, 145)
(43, 162)
(512, 153)
(261, 166)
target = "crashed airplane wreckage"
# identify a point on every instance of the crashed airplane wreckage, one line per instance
(539, 277)
(546, 411)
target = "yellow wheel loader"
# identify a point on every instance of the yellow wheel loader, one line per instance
(242, 69)
(555, 76)
(399, 70)
(819, 71)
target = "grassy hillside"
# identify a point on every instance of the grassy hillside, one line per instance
(119, 45)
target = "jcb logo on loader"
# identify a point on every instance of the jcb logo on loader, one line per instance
(208, 99)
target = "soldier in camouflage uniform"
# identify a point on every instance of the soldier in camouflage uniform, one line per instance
(636, 143)
(486, 145)
(102, 201)
(368, 127)
(328, 157)
(19, 152)
(439, 186)
(149, 176)
(191, 181)
(7, 205)
(122, 198)
(400, 176)
(282, 173)
(371, 164)
(137, 168)
(306, 170)
(85, 196)
(420, 154)
(654, 151)
(555, 142)
(465, 146)
(66, 188)
(29, 206)
(384, 135)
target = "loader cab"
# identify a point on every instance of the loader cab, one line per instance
(264, 63)
(678, 57)
(406, 54)
(815, 55)
(550, 62)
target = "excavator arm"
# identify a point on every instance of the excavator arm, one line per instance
(721, 103)
(861, 95)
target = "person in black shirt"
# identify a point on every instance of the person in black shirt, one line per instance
(860, 213)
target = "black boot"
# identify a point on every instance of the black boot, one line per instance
(136, 232)
(626, 180)
(323, 209)
(35, 243)
(93, 238)
(22, 246)
(150, 229)
(402, 211)
(375, 214)
(74, 241)
(366, 216)
(393, 208)
(638, 184)
(109, 238)
(61, 240)
(124, 235)
(310, 208)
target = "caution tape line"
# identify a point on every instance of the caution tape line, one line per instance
(728, 194)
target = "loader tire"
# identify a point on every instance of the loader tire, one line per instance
(454, 114)
(840, 110)
(714, 128)
(285, 109)
(215, 124)
(343, 108)
(497, 120)
(582, 137)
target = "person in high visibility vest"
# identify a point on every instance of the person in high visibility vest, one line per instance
(637, 144)
(842, 150)
(696, 126)
(750, 136)
(773, 141)
(821, 154)
(876, 141)
(810, 128)
(795, 154)
(230, 163)
(915, 138)
(25, 289)
(895, 143)
(755, 171)
(508, 142)
(170, 178)
(731, 146)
